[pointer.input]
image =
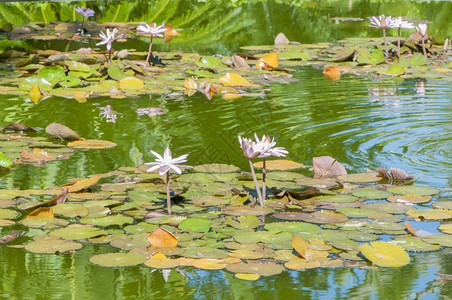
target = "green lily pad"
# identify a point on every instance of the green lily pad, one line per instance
(263, 269)
(70, 210)
(52, 74)
(409, 198)
(117, 259)
(27, 83)
(140, 228)
(77, 66)
(44, 223)
(52, 245)
(108, 221)
(414, 244)
(305, 230)
(412, 189)
(385, 207)
(77, 232)
(210, 62)
(394, 70)
(195, 224)
(374, 58)
(243, 210)
(130, 242)
(418, 59)
(318, 217)
(5, 162)
(215, 168)
(337, 198)
(362, 236)
(371, 193)
(444, 240)
(8, 213)
(205, 252)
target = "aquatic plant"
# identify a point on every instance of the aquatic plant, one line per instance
(85, 12)
(422, 30)
(399, 23)
(262, 149)
(152, 30)
(383, 23)
(108, 38)
(263, 144)
(164, 164)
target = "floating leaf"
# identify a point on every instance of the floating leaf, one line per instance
(117, 259)
(412, 189)
(374, 58)
(39, 156)
(361, 177)
(446, 228)
(337, 198)
(63, 132)
(91, 144)
(160, 261)
(11, 236)
(444, 240)
(281, 39)
(430, 214)
(215, 168)
(279, 164)
(385, 254)
(409, 199)
(395, 70)
(52, 245)
(108, 221)
(233, 79)
(82, 184)
(240, 62)
(35, 94)
(299, 245)
(5, 162)
(42, 212)
(205, 252)
(162, 238)
(415, 244)
(131, 83)
(263, 269)
(70, 210)
(301, 264)
(371, 193)
(247, 276)
(129, 242)
(77, 66)
(77, 232)
(8, 214)
(332, 73)
(209, 264)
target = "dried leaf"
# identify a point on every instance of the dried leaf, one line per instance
(234, 79)
(41, 212)
(162, 238)
(80, 96)
(11, 236)
(91, 144)
(326, 166)
(332, 73)
(400, 175)
(169, 33)
(61, 198)
(82, 184)
(18, 127)
(37, 156)
(299, 245)
(63, 132)
(268, 62)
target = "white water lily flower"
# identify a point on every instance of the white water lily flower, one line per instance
(267, 148)
(398, 22)
(86, 12)
(108, 38)
(382, 22)
(166, 162)
(422, 29)
(152, 29)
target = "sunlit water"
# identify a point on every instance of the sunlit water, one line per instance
(360, 122)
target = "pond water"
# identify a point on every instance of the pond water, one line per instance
(361, 122)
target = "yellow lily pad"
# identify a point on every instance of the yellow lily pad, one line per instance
(279, 164)
(131, 83)
(91, 144)
(385, 254)
(247, 276)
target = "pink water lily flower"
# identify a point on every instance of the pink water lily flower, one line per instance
(267, 147)
(422, 30)
(85, 12)
(166, 162)
(152, 30)
(383, 23)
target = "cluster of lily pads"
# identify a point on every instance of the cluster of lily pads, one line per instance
(214, 223)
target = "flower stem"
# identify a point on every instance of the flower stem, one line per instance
(168, 198)
(149, 52)
(81, 28)
(423, 48)
(256, 185)
(398, 44)
(264, 175)
(109, 57)
(386, 46)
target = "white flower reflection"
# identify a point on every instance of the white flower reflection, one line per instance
(108, 113)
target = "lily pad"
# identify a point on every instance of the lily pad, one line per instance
(361, 177)
(205, 252)
(8, 213)
(385, 254)
(77, 232)
(91, 144)
(415, 244)
(318, 217)
(215, 168)
(412, 189)
(337, 198)
(130, 242)
(117, 259)
(444, 240)
(70, 210)
(430, 214)
(263, 269)
(279, 164)
(108, 221)
(371, 193)
(52, 245)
